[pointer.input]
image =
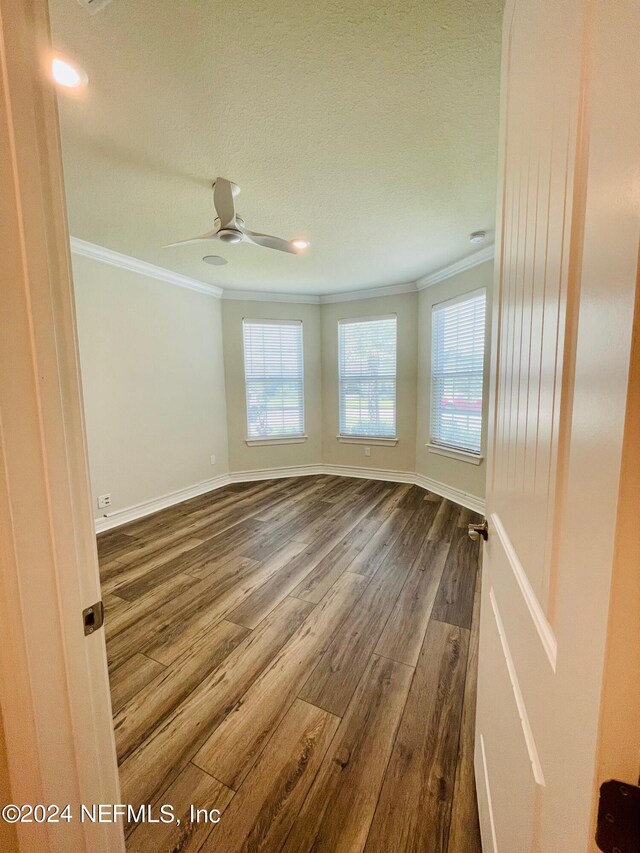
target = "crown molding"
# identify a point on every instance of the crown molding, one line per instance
(467, 263)
(370, 293)
(126, 262)
(268, 296)
(325, 299)
(117, 259)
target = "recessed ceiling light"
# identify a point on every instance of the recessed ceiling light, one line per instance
(66, 74)
(215, 260)
(477, 236)
(300, 244)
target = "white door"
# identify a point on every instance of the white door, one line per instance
(566, 256)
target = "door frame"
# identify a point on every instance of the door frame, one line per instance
(54, 687)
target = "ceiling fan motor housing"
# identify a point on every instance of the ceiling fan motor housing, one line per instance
(229, 235)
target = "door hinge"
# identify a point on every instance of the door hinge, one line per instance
(93, 618)
(618, 828)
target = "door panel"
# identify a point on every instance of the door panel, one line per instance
(541, 107)
(566, 271)
(507, 770)
(540, 117)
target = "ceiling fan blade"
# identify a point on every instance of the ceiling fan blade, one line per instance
(269, 242)
(209, 235)
(224, 192)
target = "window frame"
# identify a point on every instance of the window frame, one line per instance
(364, 438)
(281, 438)
(439, 447)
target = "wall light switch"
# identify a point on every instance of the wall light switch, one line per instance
(213, 459)
(104, 501)
(367, 451)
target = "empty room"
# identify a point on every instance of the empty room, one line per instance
(319, 434)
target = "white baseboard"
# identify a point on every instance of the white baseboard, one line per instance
(450, 493)
(385, 474)
(131, 513)
(276, 473)
(123, 516)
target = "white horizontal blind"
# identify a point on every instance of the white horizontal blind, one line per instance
(273, 373)
(367, 377)
(457, 362)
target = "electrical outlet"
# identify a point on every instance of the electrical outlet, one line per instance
(213, 459)
(367, 451)
(104, 501)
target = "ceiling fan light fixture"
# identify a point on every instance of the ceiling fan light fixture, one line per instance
(300, 244)
(66, 74)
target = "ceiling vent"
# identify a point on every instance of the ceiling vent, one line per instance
(93, 6)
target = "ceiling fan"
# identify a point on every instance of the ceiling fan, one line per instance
(230, 228)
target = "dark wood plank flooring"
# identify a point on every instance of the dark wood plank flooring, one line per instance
(299, 654)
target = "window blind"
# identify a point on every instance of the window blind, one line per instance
(367, 377)
(273, 372)
(457, 363)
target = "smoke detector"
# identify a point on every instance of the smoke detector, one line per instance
(93, 6)
(477, 236)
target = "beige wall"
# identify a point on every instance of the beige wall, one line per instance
(402, 456)
(153, 380)
(156, 360)
(241, 456)
(455, 473)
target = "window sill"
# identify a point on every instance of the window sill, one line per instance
(276, 439)
(361, 439)
(454, 453)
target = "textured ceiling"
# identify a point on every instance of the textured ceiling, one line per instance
(368, 126)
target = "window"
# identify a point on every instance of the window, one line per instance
(273, 376)
(457, 362)
(367, 377)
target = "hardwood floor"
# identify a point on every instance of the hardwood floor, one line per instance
(301, 655)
